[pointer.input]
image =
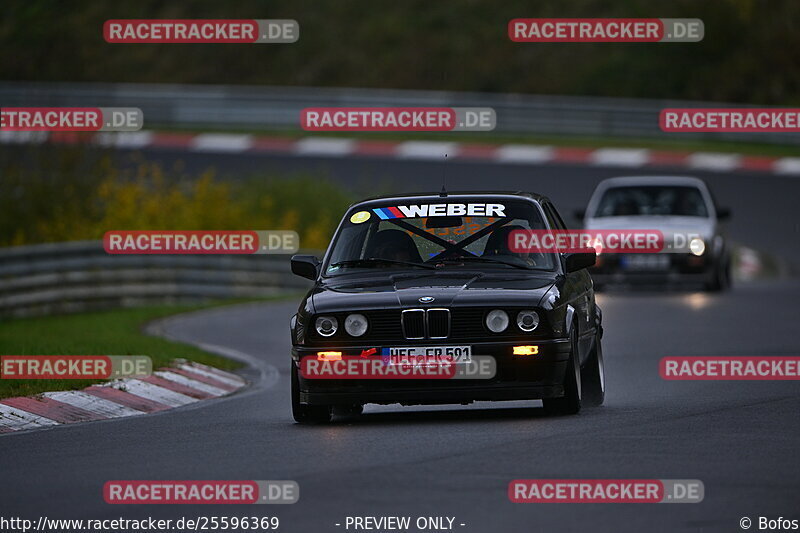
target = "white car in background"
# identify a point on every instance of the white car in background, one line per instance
(672, 205)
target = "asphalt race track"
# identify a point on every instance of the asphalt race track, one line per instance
(739, 438)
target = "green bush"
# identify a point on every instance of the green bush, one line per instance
(69, 193)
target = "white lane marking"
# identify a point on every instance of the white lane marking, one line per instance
(125, 139)
(23, 137)
(427, 149)
(622, 157)
(718, 162)
(221, 142)
(216, 371)
(18, 419)
(234, 382)
(93, 404)
(524, 153)
(324, 146)
(154, 392)
(199, 385)
(787, 165)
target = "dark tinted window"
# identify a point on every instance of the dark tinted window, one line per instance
(651, 200)
(468, 229)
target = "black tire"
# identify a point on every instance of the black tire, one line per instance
(307, 414)
(570, 403)
(722, 278)
(593, 377)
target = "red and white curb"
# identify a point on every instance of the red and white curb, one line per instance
(183, 384)
(517, 154)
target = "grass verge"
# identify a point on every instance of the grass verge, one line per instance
(116, 332)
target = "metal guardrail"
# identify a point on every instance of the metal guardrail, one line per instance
(78, 276)
(45, 279)
(265, 108)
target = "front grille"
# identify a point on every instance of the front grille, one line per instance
(414, 323)
(468, 323)
(384, 324)
(438, 323)
(426, 323)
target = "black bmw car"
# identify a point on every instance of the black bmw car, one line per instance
(431, 279)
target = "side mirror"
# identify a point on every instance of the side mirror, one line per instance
(578, 261)
(305, 266)
(579, 214)
(723, 213)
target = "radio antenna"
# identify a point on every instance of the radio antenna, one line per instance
(444, 176)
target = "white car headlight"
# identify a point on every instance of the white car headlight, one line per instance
(697, 246)
(355, 325)
(598, 246)
(327, 325)
(528, 320)
(497, 320)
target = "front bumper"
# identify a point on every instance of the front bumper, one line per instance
(517, 378)
(679, 268)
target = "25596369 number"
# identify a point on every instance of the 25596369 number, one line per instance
(243, 523)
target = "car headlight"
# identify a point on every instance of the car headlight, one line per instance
(527, 320)
(355, 325)
(497, 320)
(327, 325)
(697, 246)
(598, 246)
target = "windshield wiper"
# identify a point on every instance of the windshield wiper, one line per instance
(483, 260)
(374, 261)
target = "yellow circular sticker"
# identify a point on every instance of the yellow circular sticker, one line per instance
(361, 216)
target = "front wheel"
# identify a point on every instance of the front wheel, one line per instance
(570, 403)
(307, 414)
(722, 278)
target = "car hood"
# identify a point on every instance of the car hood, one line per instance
(668, 225)
(447, 289)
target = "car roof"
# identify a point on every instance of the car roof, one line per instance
(435, 196)
(652, 180)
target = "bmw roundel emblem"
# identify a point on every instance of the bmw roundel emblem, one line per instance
(426, 299)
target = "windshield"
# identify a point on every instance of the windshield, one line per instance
(685, 201)
(448, 234)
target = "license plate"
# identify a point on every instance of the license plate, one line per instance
(645, 262)
(427, 355)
